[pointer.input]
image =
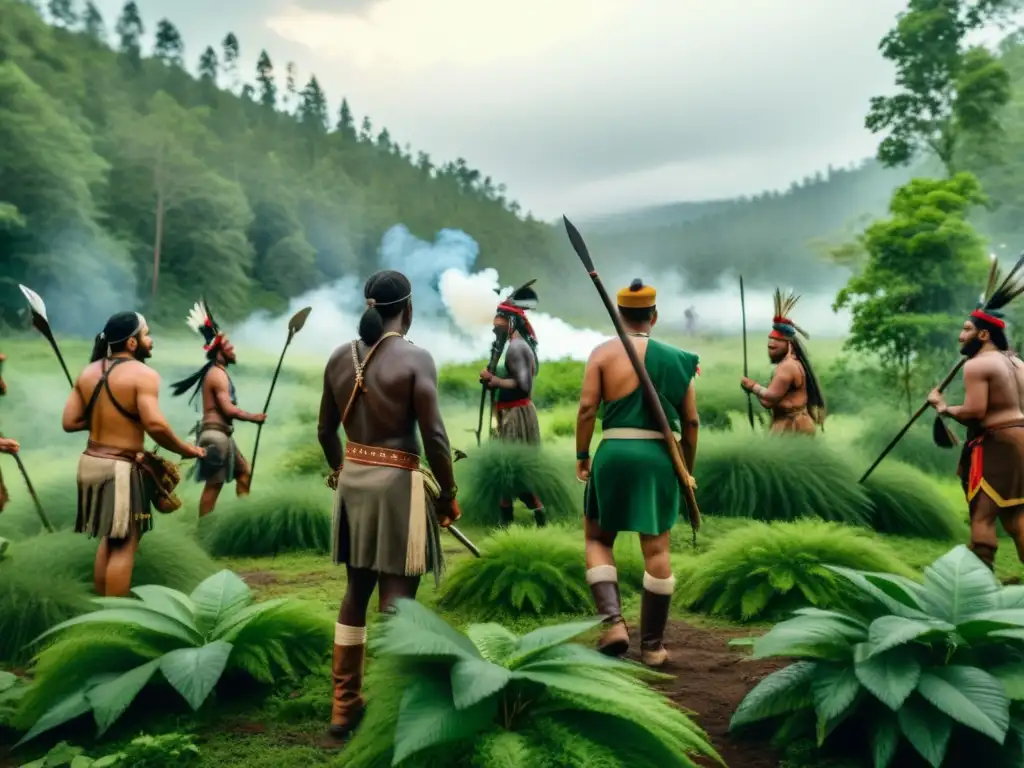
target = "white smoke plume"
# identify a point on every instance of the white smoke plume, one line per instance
(453, 306)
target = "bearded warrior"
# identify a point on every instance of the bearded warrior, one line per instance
(223, 462)
(794, 395)
(513, 380)
(116, 399)
(991, 467)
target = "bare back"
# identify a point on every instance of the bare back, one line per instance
(216, 385)
(618, 378)
(993, 377)
(107, 424)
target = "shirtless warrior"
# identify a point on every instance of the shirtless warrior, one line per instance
(517, 416)
(631, 483)
(7, 445)
(992, 463)
(794, 394)
(223, 462)
(388, 511)
(116, 399)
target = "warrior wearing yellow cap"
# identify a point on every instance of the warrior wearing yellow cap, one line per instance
(794, 395)
(631, 482)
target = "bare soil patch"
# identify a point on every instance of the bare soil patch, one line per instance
(258, 578)
(711, 679)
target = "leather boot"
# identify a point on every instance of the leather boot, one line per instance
(657, 598)
(540, 517)
(604, 586)
(986, 553)
(505, 515)
(347, 705)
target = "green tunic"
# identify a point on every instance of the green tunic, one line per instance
(633, 485)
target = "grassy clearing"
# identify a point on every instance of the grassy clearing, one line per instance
(285, 730)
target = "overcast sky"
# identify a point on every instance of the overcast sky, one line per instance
(582, 106)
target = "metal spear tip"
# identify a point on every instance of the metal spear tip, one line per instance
(458, 455)
(298, 320)
(577, 243)
(35, 301)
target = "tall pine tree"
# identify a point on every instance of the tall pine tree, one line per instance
(129, 32)
(63, 13)
(208, 66)
(170, 48)
(265, 78)
(313, 109)
(229, 47)
(92, 23)
(346, 125)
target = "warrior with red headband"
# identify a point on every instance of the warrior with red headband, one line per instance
(516, 414)
(223, 461)
(794, 395)
(992, 463)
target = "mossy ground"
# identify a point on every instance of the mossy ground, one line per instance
(287, 730)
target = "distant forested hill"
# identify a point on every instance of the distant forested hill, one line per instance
(121, 172)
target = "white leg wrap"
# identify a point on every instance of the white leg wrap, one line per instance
(600, 573)
(659, 586)
(345, 635)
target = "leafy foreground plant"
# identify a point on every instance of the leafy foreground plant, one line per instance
(167, 751)
(105, 658)
(490, 698)
(928, 666)
(32, 601)
(288, 516)
(766, 570)
(539, 571)
(504, 470)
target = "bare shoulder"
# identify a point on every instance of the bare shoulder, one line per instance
(217, 377)
(145, 377)
(420, 358)
(601, 351)
(790, 367)
(983, 365)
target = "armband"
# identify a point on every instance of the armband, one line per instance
(759, 390)
(582, 455)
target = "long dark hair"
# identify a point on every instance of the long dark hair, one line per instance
(115, 335)
(387, 295)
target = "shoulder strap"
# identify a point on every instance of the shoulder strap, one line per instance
(360, 367)
(104, 383)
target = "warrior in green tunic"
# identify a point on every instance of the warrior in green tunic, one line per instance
(631, 483)
(513, 381)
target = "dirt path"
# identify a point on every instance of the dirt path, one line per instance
(711, 679)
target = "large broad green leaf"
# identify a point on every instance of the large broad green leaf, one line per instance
(926, 728)
(1011, 596)
(428, 717)
(896, 597)
(812, 636)
(980, 625)
(834, 688)
(217, 597)
(970, 696)
(885, 738)
(168, 601)
(415, 630)
(1012, 678)
(195, 671)
(64, 711)
(473, 680)
(138, 616)
(110, 699)
(598, 684)
(572, 655)
(779, 693)
(237, 620)
(960, 585)
(891, 676)
(493, 641)
(540, 640)
(821, 613)
(891, 631)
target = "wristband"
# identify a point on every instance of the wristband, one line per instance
(759, 390)
(582, 455)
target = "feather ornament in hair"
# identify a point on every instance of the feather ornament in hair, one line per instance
(1009, 289)
(196, 318)
(784, 305)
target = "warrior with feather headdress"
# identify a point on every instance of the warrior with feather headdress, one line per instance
(223, 462)
(513, 381)
(7, 445)
(794, 395)
(991, 467)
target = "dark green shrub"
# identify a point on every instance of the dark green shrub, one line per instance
(916, 447)
(905, 502)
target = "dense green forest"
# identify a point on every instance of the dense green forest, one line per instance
(123, 174)
(130, 173)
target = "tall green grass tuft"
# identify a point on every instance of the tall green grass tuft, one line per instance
(167, 556)
(915, 448)
(766, 570)
(304, 458)
(906, 502)
(491, 699)
(32, 601)
(58, 495)
(769, 477)
(531, 571)
(286, 516)
(499, 470)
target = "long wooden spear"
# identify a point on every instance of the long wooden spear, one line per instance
(649, 392)
(294, 326)
(746, 372)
